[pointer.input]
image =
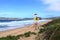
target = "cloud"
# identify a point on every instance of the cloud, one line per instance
(54, 5)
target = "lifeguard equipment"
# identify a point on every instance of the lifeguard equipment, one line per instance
(36, 19)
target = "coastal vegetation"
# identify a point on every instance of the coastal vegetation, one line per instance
(27, 34)
(51, 30)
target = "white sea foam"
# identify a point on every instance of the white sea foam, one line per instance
(16, 24)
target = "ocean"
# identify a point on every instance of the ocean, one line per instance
(10, 24)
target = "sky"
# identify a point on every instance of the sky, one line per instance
(27, 8)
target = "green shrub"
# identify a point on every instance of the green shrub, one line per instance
(21, 35)
(27, 34)
(33, 33)
(9, 38)
(41, 30)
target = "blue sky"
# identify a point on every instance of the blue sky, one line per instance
(26, 8)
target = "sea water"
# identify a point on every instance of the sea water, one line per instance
(16, 24)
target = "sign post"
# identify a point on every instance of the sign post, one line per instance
(36, 21)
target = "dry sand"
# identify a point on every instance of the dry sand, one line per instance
(20, 30)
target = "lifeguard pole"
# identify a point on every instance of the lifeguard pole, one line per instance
(36, 21)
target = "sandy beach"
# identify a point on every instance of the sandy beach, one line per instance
(20, 30)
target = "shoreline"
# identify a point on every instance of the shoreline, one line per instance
(15, 28)
(15, 32)
(21, 30)
(2, 30)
